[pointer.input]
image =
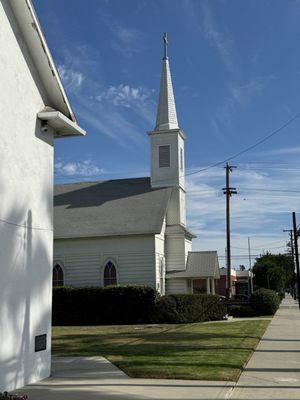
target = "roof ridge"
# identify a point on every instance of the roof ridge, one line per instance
(204, 251)
(98, 181)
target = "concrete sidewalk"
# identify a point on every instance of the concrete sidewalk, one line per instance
(93, 378)
(273, 371)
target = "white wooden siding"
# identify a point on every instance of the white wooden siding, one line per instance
(160, 256)
(182, 207)
(175, 252)
(176, 286)
(84, 259)
(188, 247)
(173, 212)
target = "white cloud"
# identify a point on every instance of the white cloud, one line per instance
(223, 42)
(125, 40)
(72, 80)
(84, 169)
(126, 35)
(261, 209)
(284, 151)
(110, 122)
(105, 108)
(239, 96)
(125, 95)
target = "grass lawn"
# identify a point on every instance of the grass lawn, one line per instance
(214, 351)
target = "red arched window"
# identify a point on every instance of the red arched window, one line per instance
(110, 274)
(58, 276)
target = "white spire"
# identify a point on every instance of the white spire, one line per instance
(166, 111)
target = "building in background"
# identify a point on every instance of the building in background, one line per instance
(33, 111)
(132, 231)
(240, 282)
(201, 274)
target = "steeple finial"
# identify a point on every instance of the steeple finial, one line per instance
(165, 39)
(166, 111)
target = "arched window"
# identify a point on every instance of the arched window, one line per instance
(58, 276)
(110, 274)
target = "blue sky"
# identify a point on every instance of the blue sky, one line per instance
(236, 76)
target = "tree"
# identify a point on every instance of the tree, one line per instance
(274, 271)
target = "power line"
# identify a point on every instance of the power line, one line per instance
(253, 146)
(25, 226)
(241, 256)
(76, 177)
(239, 153)
(271, 190)
(259, 248)
(246, 189)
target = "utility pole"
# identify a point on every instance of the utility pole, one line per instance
(228, 191)
(290, 231)
(296, 254)
(250, 268)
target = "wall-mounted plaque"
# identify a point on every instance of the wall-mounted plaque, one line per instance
(40, 343)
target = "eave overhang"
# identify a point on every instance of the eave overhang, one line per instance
(61, 125)
(41, 57)
(168, 131)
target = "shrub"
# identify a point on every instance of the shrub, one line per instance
(281, 295)
(100, 306)
(265, 301)
(187, 308)
(7, 396)
(242, 311)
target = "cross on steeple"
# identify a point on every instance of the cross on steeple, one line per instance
(165, 39)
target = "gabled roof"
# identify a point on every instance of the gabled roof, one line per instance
(33, 37)
(109, 208)
(200, 264)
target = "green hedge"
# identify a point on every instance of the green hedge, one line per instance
(281, 295)
(187, 308)
(242, 311)
(265, 301)
(100, 306)
(7, 396)
(131, 305)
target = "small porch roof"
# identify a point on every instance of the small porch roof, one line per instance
(200, 264)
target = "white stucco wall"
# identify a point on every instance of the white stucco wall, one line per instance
(26, 165)
(83, 260)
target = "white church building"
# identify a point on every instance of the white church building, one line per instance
(34, 110)
(133, 231)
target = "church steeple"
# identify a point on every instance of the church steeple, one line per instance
(166, 111)
(167, 140)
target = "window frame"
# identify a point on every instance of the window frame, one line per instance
(116, 269)
(61, 266)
